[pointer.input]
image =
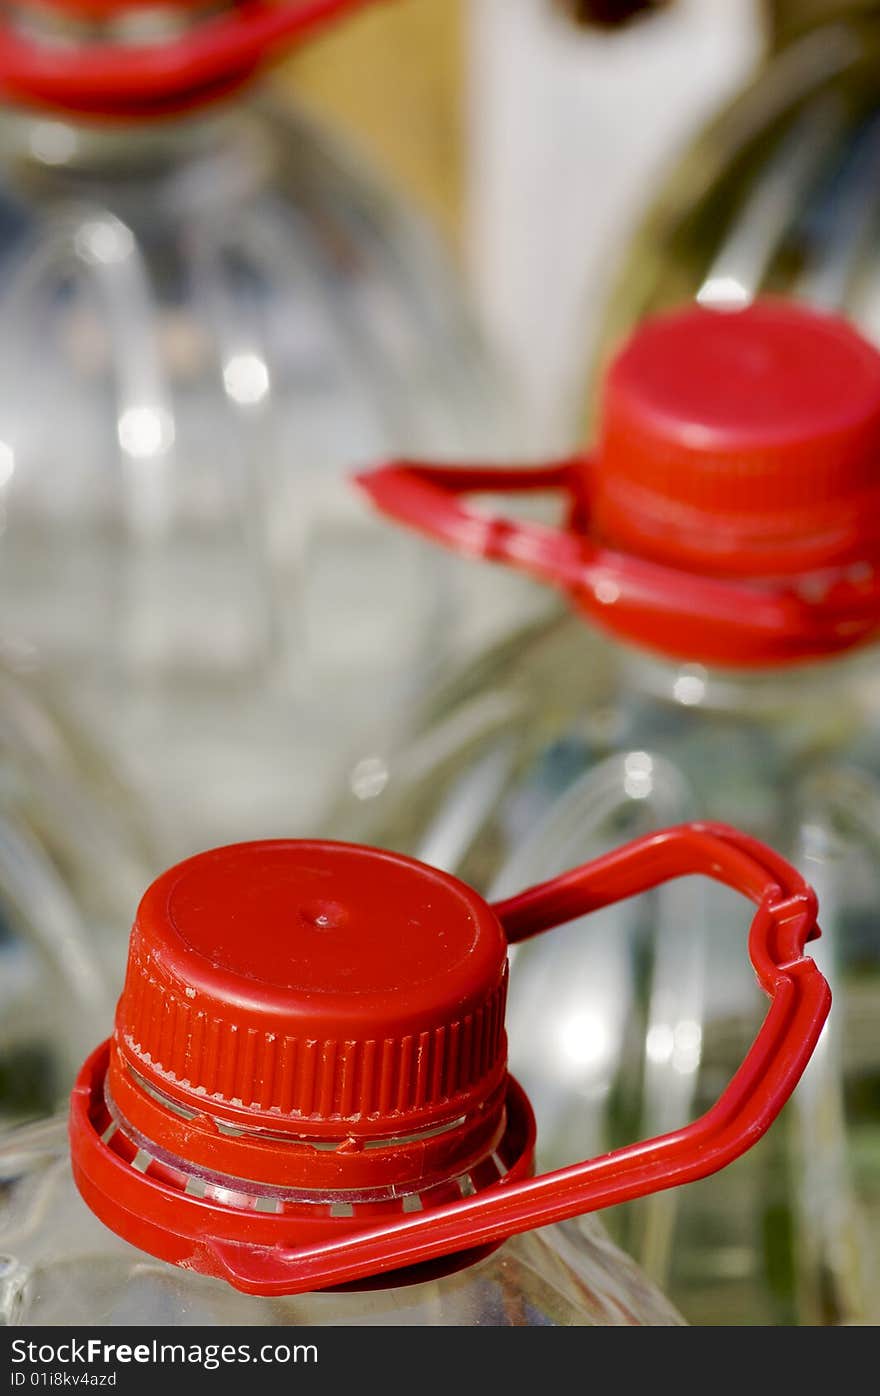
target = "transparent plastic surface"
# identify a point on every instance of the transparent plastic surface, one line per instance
(60, 1265)
(779, 194)
(72, 862)
(560, 746)
(205, 325)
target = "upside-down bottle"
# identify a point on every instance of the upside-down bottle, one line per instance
(208, 311)
(307, 1088)
(62, 926)
(720, 555)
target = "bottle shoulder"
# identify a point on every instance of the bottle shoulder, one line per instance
(514, 734)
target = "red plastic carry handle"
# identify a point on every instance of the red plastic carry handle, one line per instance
(784, 923)
(217, 53)
(667, 608)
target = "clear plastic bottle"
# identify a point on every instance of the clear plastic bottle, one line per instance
(722, 541)
(62, 928)
(209, 311)
(263, 1126)
(778, 194)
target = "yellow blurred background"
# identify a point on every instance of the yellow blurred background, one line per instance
(393, 76)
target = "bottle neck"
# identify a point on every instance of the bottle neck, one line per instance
(47, 140)
(47, 144)
(801, 692)
(129, 24)
(306, 1164)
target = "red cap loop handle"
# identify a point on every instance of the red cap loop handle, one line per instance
(784, 923)
(681, 613)
(216, 54)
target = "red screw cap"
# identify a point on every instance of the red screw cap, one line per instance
(229, 953)
(743, 442)
(319, 987)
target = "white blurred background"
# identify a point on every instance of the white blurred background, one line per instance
(568, 132)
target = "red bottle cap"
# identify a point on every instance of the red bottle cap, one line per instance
(307, 1084)
(317, 987)
(731, 511)
(743, 442)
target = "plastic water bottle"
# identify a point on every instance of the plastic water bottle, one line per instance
(778, 192)
(307, 1088)
(208, 312)
(720, 556)
(62, 927)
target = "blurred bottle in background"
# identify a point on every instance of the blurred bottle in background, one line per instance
(73, 855)
(780, 192)
(210, 310)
